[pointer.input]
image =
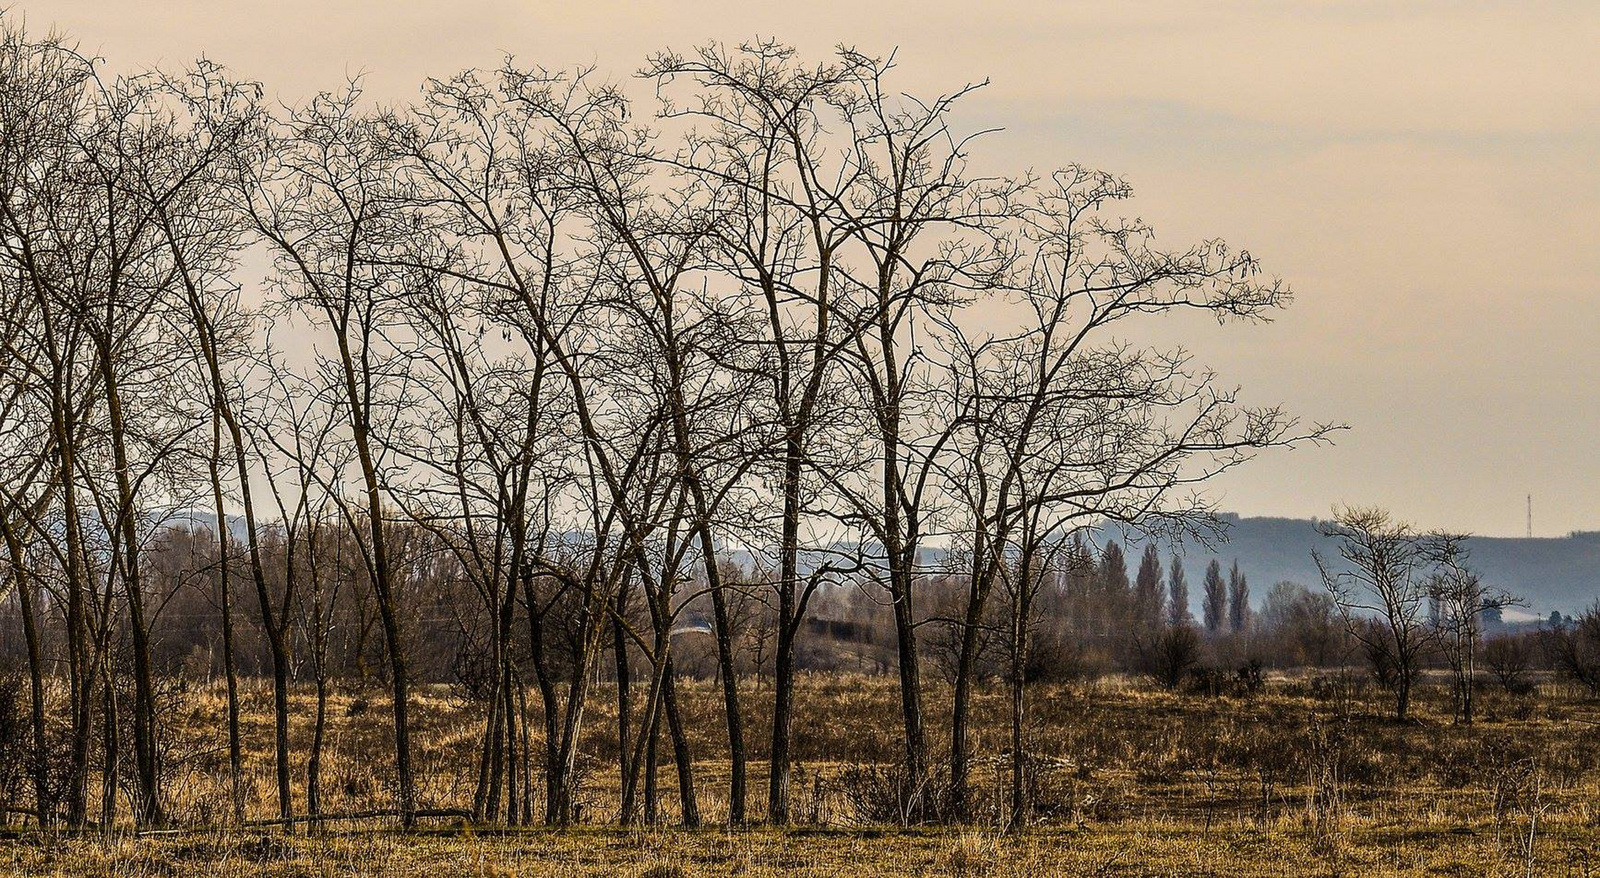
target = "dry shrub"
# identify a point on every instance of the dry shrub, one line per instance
(879, 794)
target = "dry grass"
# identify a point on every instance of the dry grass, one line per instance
(1304, 779)
(1127, 848)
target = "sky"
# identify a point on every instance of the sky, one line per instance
(1425, 175)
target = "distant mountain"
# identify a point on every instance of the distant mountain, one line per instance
(1548, 573)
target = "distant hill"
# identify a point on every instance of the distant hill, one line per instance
(1548, 573)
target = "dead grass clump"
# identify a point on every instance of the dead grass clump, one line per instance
(971, 853)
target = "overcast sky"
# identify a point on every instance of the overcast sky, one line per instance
(1425, 174)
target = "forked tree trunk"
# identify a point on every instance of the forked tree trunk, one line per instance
(548, 700)
(146, 750)
(681, 754)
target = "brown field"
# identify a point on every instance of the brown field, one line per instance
(1308, 777)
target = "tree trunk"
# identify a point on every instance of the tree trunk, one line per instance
(230, 670)
(235, 749)
(547, 697)
(961, 697)
(619, 646)
(482, 796)
(1023, 607)
(688, 803)
(148, 810)
(900, 549)
(80, 674)
(509, 762)
(382, 581)
(788, 629)
(652, 806)
(916, 746)
(112, 747)
(737, 756)
(314, 758)
(527, 754)
(30, 631)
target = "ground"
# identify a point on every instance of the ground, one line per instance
(1122, 849)
(1309, 777)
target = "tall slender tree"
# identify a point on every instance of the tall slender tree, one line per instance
(1238, 600)
(1177, 593)
(1215, 598)
(1148, 597)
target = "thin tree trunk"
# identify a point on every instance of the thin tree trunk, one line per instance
(112, 746)
(40, 767)
(231, 673)
(527, 754)
(547, 696)
(383, 582)
(961, 697)
(652, 814)
(485, 796)
(688, 803)
(619, 646)
(314, 757)
(146, 750)
(319, 666)
(637, 762)
(510, 761)
(1023, 607)
(788, 628)
(80, 675)
(230, 670)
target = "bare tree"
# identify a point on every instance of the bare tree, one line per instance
(327, 206)
(1381, 589)
(1096, 431)
(1460, 598)
(1574, 649)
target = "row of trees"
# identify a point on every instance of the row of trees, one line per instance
(594, 362)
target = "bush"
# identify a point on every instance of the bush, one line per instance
(1508, 659)
(1250, 680)
(880, 794)
(1575, 650)
(1169, 655)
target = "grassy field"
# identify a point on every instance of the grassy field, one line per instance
(1122, 848)
(1308, 777)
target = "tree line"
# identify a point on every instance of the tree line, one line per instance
(568, 368)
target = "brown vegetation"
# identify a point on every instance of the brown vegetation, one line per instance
(1309, 774)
